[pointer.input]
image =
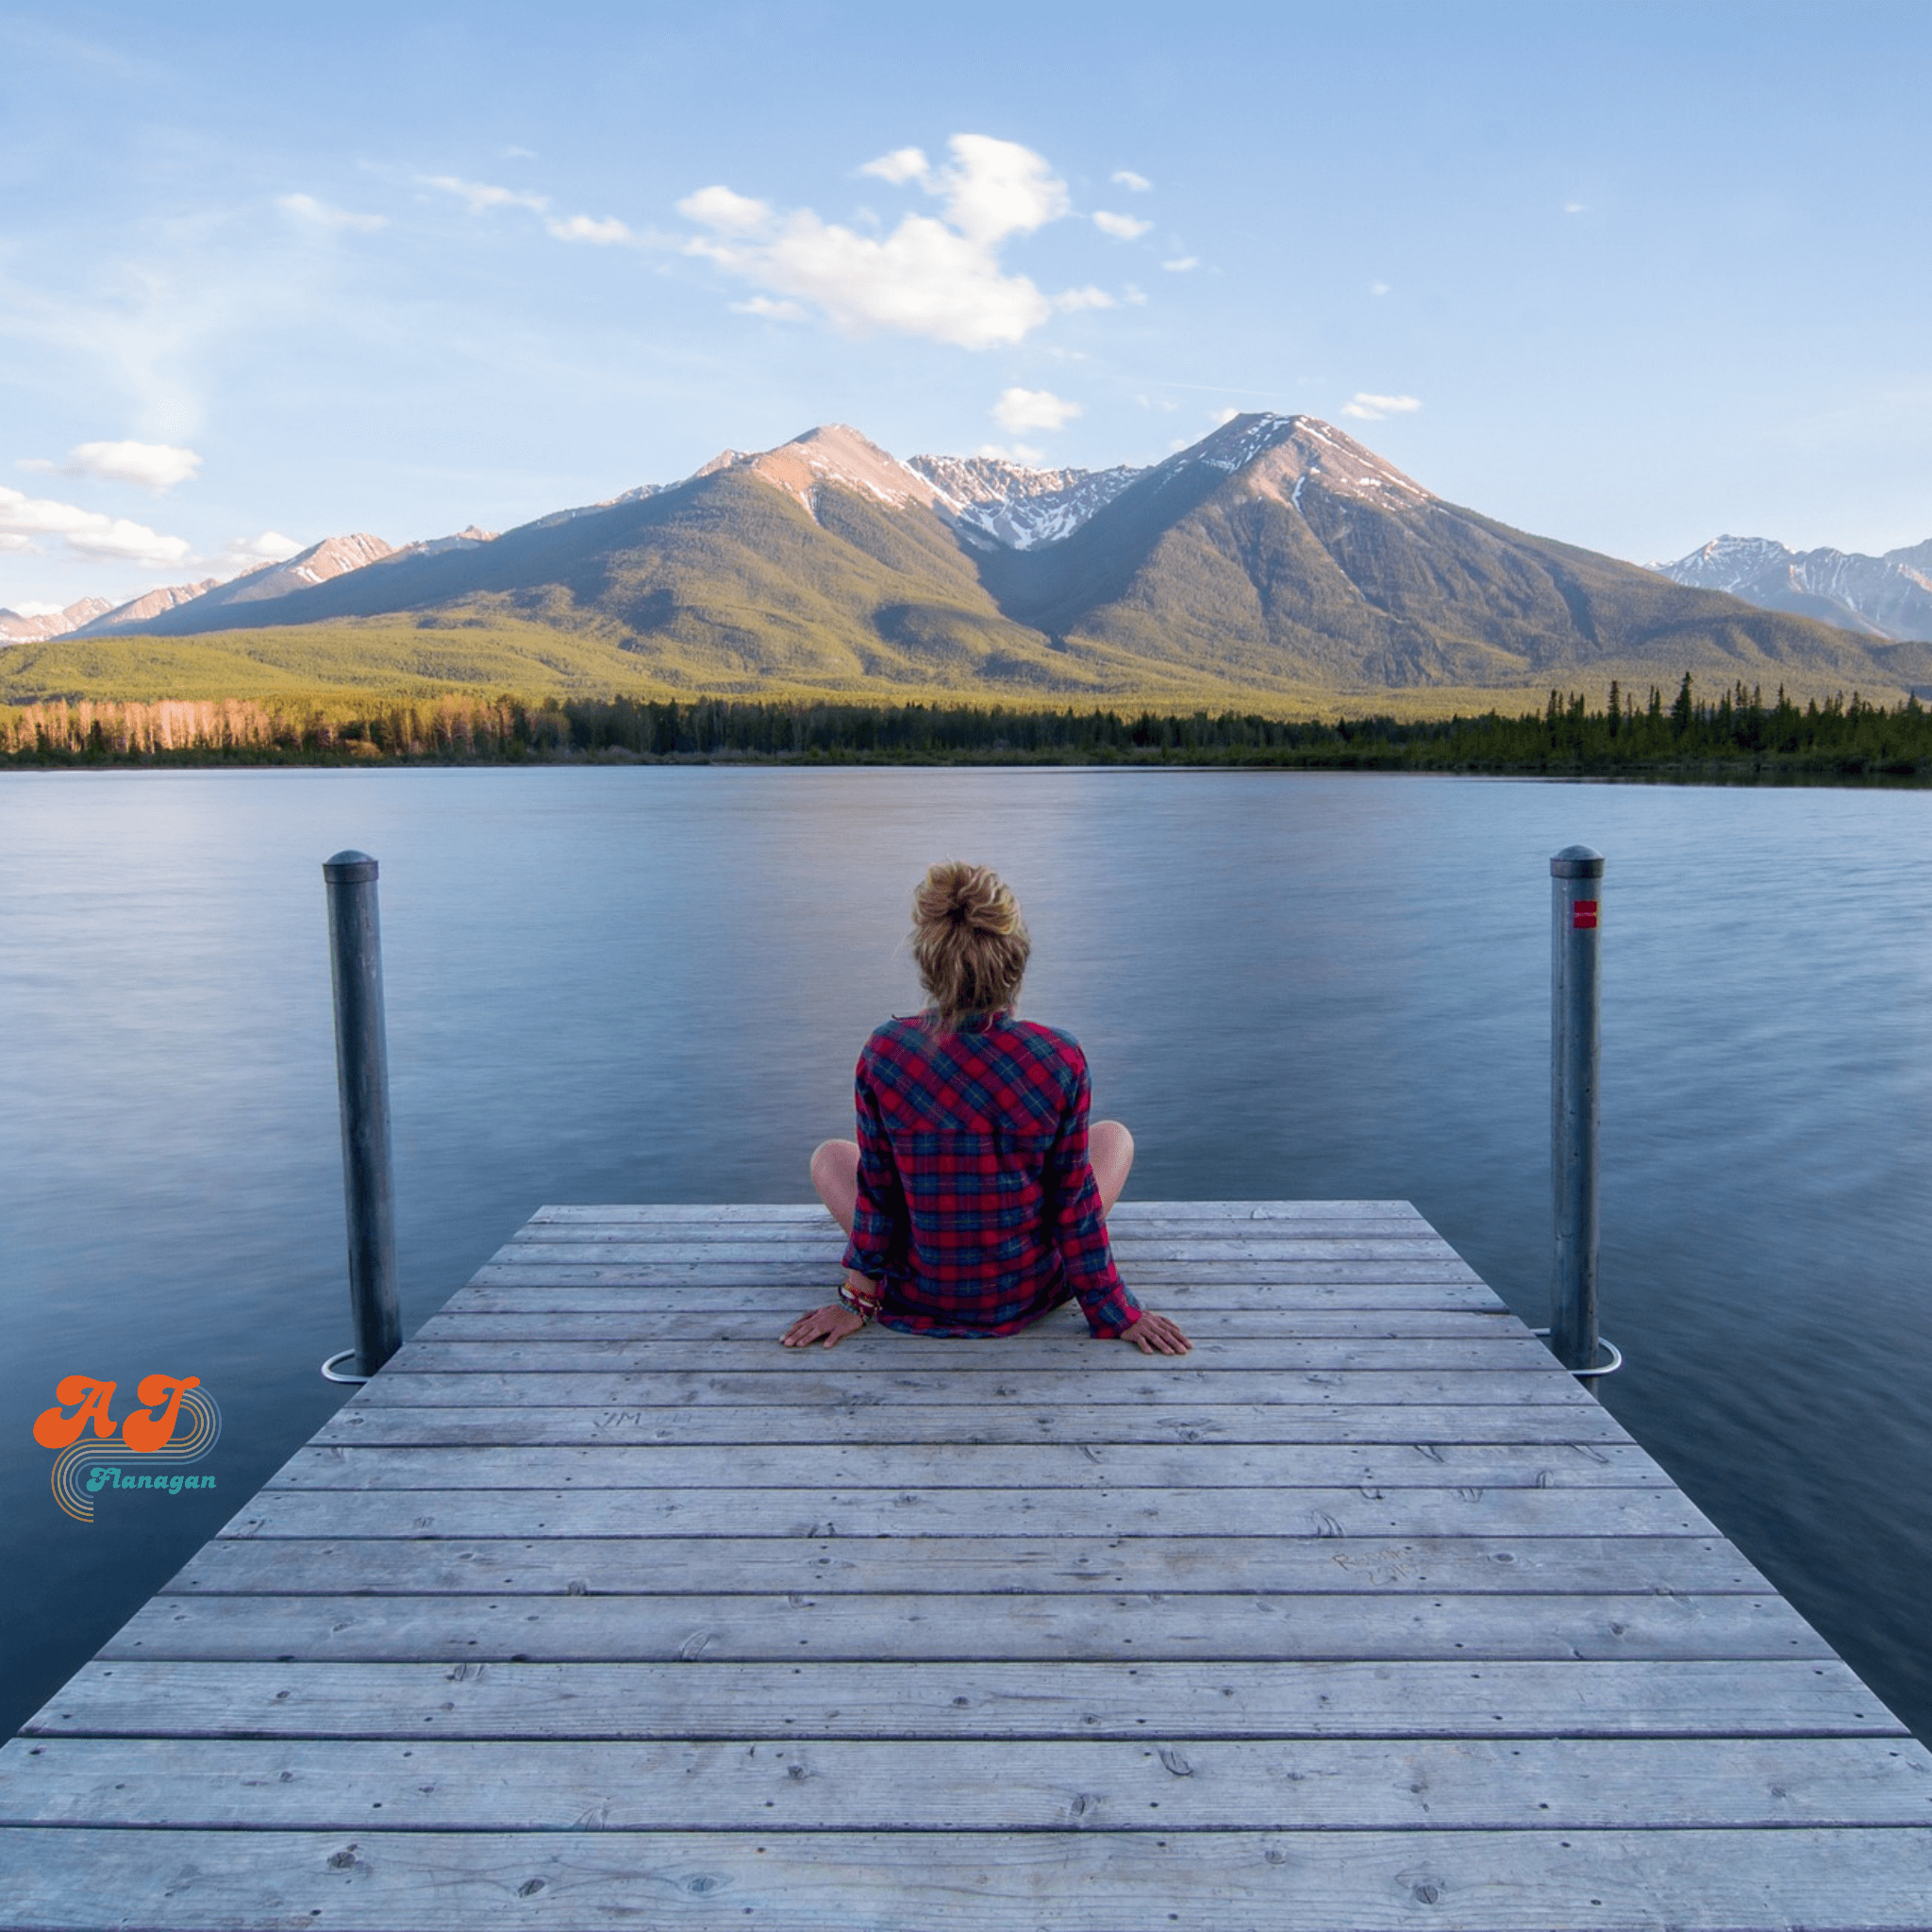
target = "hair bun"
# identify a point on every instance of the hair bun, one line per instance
(969, 939)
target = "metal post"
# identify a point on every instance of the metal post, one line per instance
(362, 1070)
(1575, 876)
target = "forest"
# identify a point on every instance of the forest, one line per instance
(1737, 735)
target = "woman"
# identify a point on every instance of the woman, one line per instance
(971, 1200)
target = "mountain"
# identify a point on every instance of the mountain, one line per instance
(17, 627)
(1888, 596)
(188, 605)
(1277, 556)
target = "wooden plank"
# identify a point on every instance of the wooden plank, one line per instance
(1126, 1213)
(825, 1232)
(1074, 1353)
(1523, 1881)
(912, 1513)
(845, 1627)
(548, 1319)
(1206, 1785)
(971, 1466)
(594, 1566)
(1343, 1285)
(800, 1376)
(748, 1256)
(1776, 1698)
(1420, 1426)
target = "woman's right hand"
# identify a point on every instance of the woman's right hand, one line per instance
(830, 1325)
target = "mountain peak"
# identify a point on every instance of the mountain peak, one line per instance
(831, 453)
(1276, 455)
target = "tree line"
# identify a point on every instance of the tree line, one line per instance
(1738, 732)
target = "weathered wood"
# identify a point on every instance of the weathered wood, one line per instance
(881, 1350)
(548, 1318)
(1565, 1784)
(842, 1628)
(1395, 1285)
(913, 1514)
(1126, 1213)
(1525, 1881)
(973, 1466)
(1420, 1425)
(806, 1375)
(755, 1255)
(1364, 1614)
(634, 1700)
(677, 1565)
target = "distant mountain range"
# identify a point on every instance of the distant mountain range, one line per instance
(1277, 555)
(1888, 596)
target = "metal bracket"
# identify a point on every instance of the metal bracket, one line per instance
(1610, 1368)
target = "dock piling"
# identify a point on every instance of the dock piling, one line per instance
(1576, 882)
(362, 1071)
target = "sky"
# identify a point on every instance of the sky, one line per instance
(1631, 276)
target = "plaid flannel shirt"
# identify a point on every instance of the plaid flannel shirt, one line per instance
(978, 1207)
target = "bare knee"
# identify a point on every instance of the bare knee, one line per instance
(1110, 1148)
(835, 1174)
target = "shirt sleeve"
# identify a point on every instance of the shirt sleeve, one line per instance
(878, 1217)
(1078, 1227)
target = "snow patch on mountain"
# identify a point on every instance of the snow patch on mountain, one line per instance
(35, 626)
(1888, 597)
(1020, 507)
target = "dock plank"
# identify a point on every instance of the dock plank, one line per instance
(597, 1604)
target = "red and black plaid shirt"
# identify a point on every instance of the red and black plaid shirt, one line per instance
(978, 1207)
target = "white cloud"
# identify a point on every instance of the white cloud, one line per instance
(251, 552)
(30, 608)
(731, 214)
(772, 312)
(1088, 297)
(1221, 416)
(901, 165)
(1373, 408)
(1181, 264)
(482, 197)
(1125, 177)
(1378, 287)
(518, 154)
(1033, 408)
(585, 228)
(153, 466)
(938, 277)
(16, 545)
(1575, 207)
(1122, 228)
(308, 209)
(87, 531)
(1005, 451)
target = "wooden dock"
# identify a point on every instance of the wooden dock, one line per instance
(598, 1608)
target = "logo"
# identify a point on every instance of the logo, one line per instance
(184, 1430)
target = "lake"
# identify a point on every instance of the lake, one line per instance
(650, 984)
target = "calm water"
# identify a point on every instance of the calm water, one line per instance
(649, 984)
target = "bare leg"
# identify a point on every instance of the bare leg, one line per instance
(1110, 1148)
(835, 1174)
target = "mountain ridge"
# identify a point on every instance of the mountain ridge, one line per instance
(1276, 557)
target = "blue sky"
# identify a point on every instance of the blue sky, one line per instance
(1630, 276)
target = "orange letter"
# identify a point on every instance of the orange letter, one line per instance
(53, 1430)
(140, 1431)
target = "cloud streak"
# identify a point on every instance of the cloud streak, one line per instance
(155, 467)
(1372, 408)
(937, 276)
(1033, 408)
(24, 521)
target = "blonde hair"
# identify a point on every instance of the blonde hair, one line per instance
(968, 941)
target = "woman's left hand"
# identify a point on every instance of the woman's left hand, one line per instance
(829, 1324)
(1155, 1335)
